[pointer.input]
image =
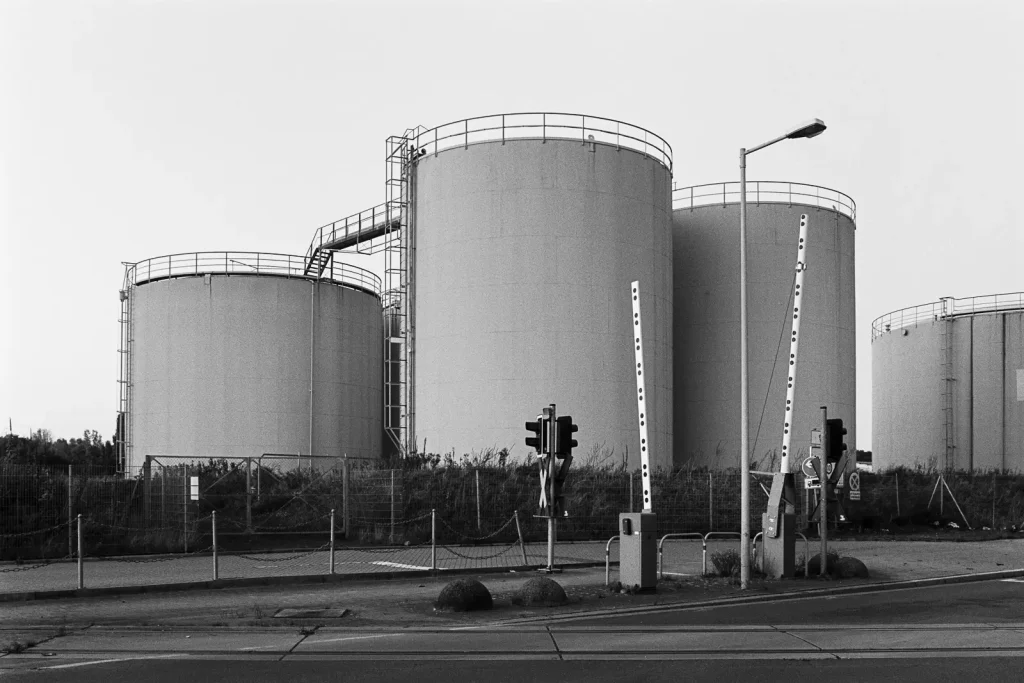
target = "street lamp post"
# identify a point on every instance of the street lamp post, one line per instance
(807, 130)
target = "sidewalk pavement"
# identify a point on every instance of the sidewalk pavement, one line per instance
(407, 601)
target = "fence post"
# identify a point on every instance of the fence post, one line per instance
(184, 505)
(332, 543)
(147, 493)
(941, 496)
(522, 545)
(391, 536)
(216, 568)
(711, 503)
(898, 494)
(433, 539)
(631, 491)
(248, 495)
(163, 498)
(81, 569)
(478, 520)
(993, 501)
(71, 548)
(344, 499)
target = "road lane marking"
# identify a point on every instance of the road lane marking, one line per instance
(108, 661)
(341, 640)
(1013, 580)
(399, 565)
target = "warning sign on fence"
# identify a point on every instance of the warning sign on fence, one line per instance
(854, 485)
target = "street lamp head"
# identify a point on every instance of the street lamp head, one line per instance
(807, 130)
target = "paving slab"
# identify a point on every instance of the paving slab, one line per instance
(100, 640)
(430, 642)
(912, 639)
(692, 641)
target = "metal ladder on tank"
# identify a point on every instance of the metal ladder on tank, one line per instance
(124, 380)
(398, 395)
(947, 381)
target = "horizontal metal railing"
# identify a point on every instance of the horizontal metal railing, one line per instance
(948, 307)
(764, 192)
(543, 126)
(351, 227)
(244, 263)
(493, 128)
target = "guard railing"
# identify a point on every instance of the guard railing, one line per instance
(947, 307)
(244, 263)
(764, 192)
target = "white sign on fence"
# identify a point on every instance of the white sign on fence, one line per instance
(194, 486)
(854, 486)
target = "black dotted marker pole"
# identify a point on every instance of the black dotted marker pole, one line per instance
(641, 399)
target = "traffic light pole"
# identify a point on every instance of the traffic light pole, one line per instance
(551, 438)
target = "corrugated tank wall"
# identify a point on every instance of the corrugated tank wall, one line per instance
(947, 385)
(221, 366)
(707, 321)
(525, 250)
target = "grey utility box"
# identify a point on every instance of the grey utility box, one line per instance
(779, 553)
(638, 549)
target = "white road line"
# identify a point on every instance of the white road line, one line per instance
(108, 661)
(1014, 580)
(341, 640)
(399, 565)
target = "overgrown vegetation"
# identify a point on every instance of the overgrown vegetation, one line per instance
(474, 496)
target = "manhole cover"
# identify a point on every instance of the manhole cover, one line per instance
(307, 613)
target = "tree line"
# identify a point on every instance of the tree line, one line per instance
(40, 448)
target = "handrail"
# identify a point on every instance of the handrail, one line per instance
(491, 128)
(946, 307)
(543, 126)
(661, 542)
(608, 561)
(244, 263)
(351, 226)
(718, 534)
(764, 192)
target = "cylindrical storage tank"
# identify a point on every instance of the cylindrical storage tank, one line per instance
(706, 255)
(240, 354)
(527, 231)
(947, 385)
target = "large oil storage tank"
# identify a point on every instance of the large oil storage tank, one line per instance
(705, 225)
(241, 354)
(527, 230)
(947, 385)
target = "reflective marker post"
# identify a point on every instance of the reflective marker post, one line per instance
(81, 569)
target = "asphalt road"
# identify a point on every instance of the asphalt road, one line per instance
(990, 602)
(952, 632)
(748, 671)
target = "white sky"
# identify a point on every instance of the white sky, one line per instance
(135, 129)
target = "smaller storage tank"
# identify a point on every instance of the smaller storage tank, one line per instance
(706, 276)
(240, 354)
(947, 385)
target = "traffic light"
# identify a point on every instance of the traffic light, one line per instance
(539, 439)
(564, 429)
(834, 439)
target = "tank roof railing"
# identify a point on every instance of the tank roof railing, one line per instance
(763, 192)
(947, 307)
(543, 126)
(245, 263)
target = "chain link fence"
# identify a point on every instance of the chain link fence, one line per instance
(274, 522)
